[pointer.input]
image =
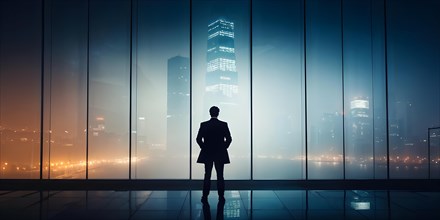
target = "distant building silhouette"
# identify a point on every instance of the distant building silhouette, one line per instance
(401, 132)
(329, 132)
(178, 89)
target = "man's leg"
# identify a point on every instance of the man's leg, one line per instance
(219, 167)
(207, 179)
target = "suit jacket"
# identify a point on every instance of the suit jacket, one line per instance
(214, 139)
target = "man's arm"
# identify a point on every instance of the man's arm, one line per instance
(200, 136)
(228, 138)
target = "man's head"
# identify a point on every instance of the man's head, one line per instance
(213, 111)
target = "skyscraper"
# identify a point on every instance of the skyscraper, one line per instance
(221, 74)
(177, 101)
(178, 86)
(360, 121)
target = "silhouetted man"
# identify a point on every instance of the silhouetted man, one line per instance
(214, 139)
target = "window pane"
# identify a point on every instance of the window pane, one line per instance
(358, 88)
(109, 88)
(68, 89)
(278, 104)
(221, 77)
(161, 149)
(414, 79)
(379, 89)
(20, 89)
(324, 89)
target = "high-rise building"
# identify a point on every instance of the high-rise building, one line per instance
(328, 134)
(360, 122)
(178, 86)
(221, 73)
(402, 136)
(178, 103)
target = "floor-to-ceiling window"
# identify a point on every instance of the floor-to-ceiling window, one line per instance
(161, 100)
(221, 77)
(109, 89)
(413, 84)
(324, 89)
(66, 89)
(278, 90)
(364, 89)
(20, 88)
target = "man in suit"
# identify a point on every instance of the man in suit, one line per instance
(214, 139)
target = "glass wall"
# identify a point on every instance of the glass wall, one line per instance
(311, 89)
(278, 90)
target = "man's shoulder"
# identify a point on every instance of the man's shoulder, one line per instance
(216, 121)
(223, 123)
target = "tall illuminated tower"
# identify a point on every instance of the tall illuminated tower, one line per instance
(221, 86)
(361, 127)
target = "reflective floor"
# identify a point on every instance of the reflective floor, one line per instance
(244, 204)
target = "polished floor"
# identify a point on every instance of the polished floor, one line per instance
(241, 204)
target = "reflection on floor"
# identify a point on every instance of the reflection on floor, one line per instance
(257, 204)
